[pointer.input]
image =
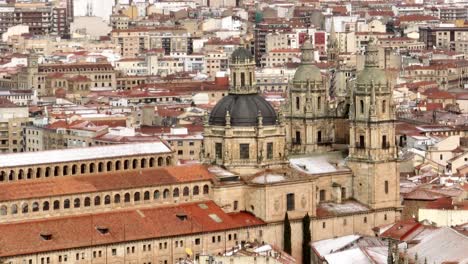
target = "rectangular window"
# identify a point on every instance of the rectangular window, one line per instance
(270, 150)
(362, 143)
(343, 193)
(386, 187)
(244, 151)
(322, 195)
(319, 136)
(236, 205)
(219, 150)
(197, 241)
(319, 103)
(290, 203)
(298, 137)
(384, 142)
(114, 251)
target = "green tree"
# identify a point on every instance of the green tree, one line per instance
(287, 235)
(306, 239)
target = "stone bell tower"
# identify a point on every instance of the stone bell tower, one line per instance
(372, 151)
(307, 113)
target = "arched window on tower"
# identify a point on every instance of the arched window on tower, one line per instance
(234, 79)
(298, 103)
(384, 106)
(361, 104)
(250, 78)
(319, 103)
(242, 79)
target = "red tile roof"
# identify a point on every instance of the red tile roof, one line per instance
(129, 225)
(403, 230)
(4, 103)
(438, 94)
(422, 194)
(105, 182)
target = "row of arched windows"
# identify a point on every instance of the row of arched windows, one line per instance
(64, 170)
(106, 200)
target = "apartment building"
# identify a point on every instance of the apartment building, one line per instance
(216, 61)
(134, 41)
(450, 38)
(13, 119)
(42, 18)
(280, 57)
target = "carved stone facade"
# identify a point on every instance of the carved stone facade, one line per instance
(372, 150)
(309, 117)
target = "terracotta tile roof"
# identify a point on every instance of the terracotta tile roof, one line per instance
(129, 225)
(105, 182)
(403, 230)
(415, 17)
(4, 103)
(375, 13)
(422, 194)
(438, 94)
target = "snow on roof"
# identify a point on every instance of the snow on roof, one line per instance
(66, 155)
(327, 246)
(263, 248)
(442, 245)
(323, 163)
(268, 178)
(352, 256)
(377, 254)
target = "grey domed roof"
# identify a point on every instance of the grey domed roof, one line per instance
(241, 54)
(307, 72)
(243, 109)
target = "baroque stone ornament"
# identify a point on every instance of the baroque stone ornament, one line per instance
(303, 201)
(276, 205)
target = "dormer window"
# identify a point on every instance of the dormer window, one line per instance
(102, 230)
(182, 216)
(46, 236)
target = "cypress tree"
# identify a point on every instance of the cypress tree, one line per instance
(306, 239)
(287, 235)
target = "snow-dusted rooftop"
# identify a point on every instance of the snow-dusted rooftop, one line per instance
(443, 244)
(346, 207)
(66, 155)
(352, 256)
(316, 164)
(328, 246)
(268, 178)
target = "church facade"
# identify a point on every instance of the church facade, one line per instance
(351, 131)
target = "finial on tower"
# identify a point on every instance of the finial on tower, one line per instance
(372, 54)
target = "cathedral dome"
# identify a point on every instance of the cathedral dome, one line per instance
(241, 54)
(243, 110)
(307, 72)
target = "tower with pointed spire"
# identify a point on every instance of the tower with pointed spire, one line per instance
(307, 112)
(333, 49)
(372, 151)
